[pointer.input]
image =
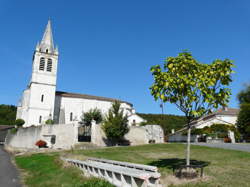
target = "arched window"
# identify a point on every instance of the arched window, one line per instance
(47, 50)
(40, 119)
(42, 64)
(71, 116)
(49, 65)
(42, 97)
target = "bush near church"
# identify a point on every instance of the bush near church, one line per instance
(92, 114)
(49, 122)
(19, 122)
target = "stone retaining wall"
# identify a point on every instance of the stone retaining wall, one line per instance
(61, 136)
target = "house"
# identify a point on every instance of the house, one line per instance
(226, 116)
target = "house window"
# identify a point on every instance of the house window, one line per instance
(49, 65)
(42, 97)
(42, 64)
(71, 116)
(40, 119)
(47, 50)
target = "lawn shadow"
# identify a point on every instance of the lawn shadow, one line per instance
(173, 163)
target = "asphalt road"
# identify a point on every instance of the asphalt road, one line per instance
(8, 172)
(237, 146)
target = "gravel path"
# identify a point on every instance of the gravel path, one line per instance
(237, 146)
(8, 172)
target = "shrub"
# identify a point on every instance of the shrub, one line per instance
(116, 123)
(13, 131)
(220, 130)
(19, 122)
(41, 144)
(92, 114)
(49, 122)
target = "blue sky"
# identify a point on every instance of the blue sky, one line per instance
(107, 47)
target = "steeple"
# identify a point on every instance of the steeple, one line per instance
(46, 45)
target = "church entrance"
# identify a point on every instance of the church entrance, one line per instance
(84, 133)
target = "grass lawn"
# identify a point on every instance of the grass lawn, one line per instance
(47, 170)
(225, 167)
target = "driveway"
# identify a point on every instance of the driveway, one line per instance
(8, 172)
(237, 146)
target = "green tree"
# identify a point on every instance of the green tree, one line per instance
(7, 114)
(244, 95)
(92, 114)
(195, 88)
(243, 121)
(116, 123)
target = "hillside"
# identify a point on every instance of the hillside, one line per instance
(7, 114)
(167, 121)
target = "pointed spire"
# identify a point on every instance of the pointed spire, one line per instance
(47, 41)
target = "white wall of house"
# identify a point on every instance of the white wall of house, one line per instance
(217, 119)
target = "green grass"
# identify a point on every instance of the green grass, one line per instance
(46, 170)
(224, 167)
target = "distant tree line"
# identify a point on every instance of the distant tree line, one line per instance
(7, 114)
(243, 122)
(166, 121)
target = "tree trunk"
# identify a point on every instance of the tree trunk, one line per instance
(188, 146)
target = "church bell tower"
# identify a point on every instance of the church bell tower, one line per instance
(37, 104)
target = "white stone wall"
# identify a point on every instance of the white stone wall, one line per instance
(140, 135)
(66, 135)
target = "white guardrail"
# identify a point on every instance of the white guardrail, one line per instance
(122, 174)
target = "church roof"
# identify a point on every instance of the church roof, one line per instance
(91, 97)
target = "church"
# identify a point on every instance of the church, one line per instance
(40, 100)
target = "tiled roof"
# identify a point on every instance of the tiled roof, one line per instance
(92, 97)
(225, 111)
